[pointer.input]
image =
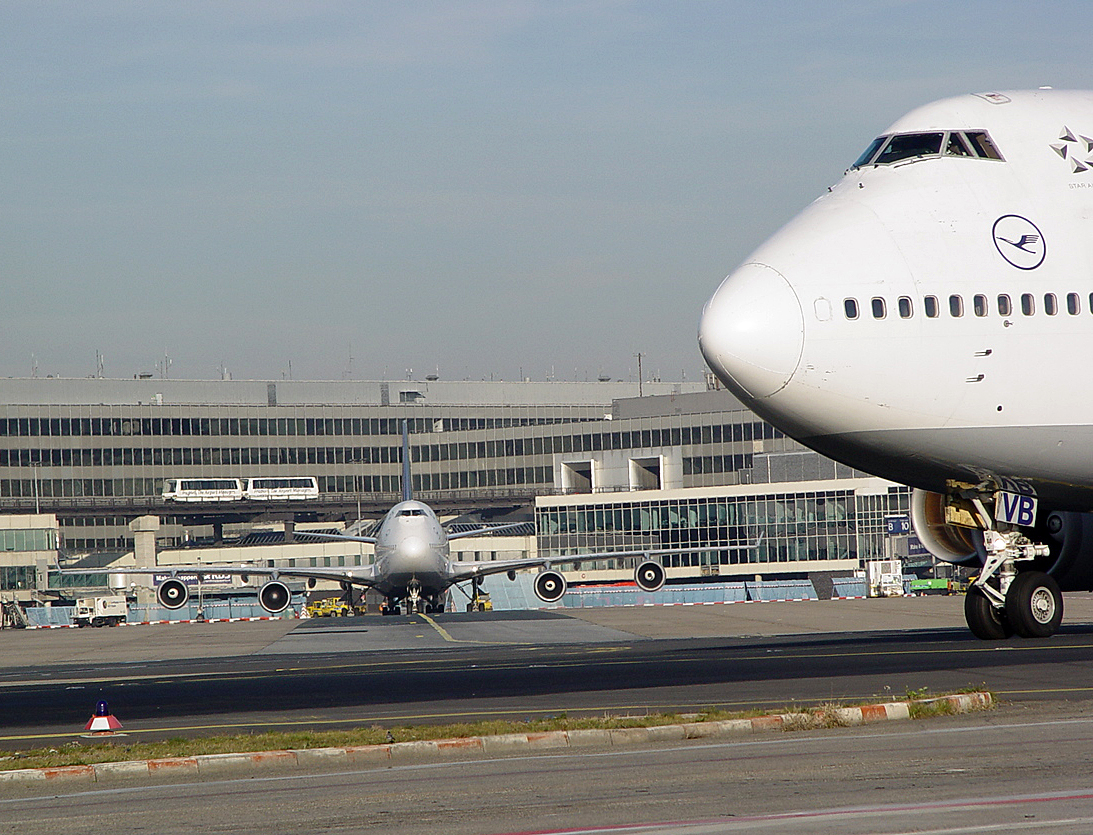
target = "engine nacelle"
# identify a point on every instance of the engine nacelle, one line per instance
(649, 575)
(172, 593)
(949, 543)
(274, 597)
(549, 586)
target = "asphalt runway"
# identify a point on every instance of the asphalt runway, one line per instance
(200, 679)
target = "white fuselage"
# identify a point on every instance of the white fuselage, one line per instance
(411, 545)
(874, 327)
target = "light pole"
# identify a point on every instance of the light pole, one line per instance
(360, 484)
(360, 491)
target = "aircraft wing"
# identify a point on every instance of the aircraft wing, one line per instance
(363, 576)
(462, 571)
(451, 535)
(485, 531)
(301, 535)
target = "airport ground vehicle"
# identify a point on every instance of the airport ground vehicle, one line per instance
(279, 488)
(100, 611)
(333, 607)
(480, 602)
(940, 585)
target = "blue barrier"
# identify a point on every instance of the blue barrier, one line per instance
(219, 610)
(49, 615)
(506, 594)
(771, 590)
(518, 594)
(848, 586)
(42, 616)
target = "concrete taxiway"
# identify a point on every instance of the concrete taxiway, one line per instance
(373, 633)
(202, 679)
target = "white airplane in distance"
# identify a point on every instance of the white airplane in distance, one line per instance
(927, 320)
(412, 567)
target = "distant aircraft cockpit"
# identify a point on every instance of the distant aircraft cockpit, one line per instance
(889, 149)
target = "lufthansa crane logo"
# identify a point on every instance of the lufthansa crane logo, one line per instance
(1019, 242)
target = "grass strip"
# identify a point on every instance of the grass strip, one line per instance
(117, 749)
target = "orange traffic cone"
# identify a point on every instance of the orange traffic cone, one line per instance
(103, 722)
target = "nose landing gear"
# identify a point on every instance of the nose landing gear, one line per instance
(415, 604)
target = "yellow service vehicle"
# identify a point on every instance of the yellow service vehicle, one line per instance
(480, 603)
(331, 607)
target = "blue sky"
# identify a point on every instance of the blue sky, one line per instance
(484, 189)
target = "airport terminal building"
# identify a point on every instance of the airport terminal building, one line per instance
(601, 465)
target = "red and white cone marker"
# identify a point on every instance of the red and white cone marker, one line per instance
(103, 722)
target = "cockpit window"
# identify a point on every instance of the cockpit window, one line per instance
(908, 145)
(983, 145)
(957, 146)
(870, 152)
(885, 150)
(412, 512)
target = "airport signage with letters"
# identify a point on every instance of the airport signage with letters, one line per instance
(897, 524)
(193, 579)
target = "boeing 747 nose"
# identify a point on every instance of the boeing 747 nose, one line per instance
(752, 331)
(946, 285)
(413, 549)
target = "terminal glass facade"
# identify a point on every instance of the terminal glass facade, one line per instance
(750, 532)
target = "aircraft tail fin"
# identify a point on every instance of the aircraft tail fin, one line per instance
(407, 484)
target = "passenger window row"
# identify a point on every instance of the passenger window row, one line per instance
(980, 306)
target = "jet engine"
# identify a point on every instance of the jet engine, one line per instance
(274, 596)
(649, 575)
(549, 586)
(172, 593)
(949, 543)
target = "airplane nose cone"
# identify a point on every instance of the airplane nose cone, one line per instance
(413, 548)
(752, 331)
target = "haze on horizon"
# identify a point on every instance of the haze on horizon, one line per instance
(487, 189)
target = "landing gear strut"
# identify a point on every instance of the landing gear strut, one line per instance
(1007, 597)
(479, 600)
(415, 603)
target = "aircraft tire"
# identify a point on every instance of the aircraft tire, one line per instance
(986, 622)
(1034, 605)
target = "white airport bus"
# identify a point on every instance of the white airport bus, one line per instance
(281, 488)
(202, 490)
